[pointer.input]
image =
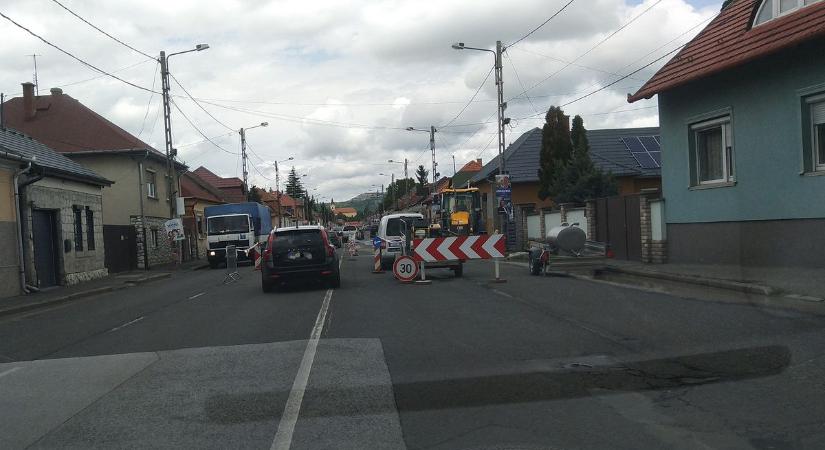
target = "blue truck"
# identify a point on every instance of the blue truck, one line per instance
(240, 224)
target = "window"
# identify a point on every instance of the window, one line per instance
(151, 184)
(199, 224)
(78, 228)
(816, 107)
(771, 9)
(713, 152)
(90, 229)
(153, 235)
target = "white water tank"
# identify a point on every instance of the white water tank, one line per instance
(567, 237)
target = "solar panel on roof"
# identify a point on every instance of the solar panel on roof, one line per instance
(642, 149)
(650, 143)
(657, 156)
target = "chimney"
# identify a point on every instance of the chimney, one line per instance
(56, 91)
(478, 160)
(29, 108)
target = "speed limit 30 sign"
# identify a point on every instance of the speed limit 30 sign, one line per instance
(405, 269)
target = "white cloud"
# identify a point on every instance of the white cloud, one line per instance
(311, 67)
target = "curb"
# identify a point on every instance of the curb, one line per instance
(750, 288)
(81, 294)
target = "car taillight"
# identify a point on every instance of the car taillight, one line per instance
(268, 250)
(330, 251)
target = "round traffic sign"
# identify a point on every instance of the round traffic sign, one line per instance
(405, 269)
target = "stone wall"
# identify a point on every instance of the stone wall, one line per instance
(160, 250)
(75, 265)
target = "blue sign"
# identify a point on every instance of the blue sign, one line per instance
(376, 242)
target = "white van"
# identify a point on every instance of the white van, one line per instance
(390, 230)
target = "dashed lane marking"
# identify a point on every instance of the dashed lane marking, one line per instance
(127, 324)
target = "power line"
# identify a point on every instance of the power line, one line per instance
(91, 66)
(149, 105)
(175, 104)
(471, 99)
(189, 144)
(515, 71)
(98, 29)
(582, 66)
(542, 24)
(199, 105)
(608, 37)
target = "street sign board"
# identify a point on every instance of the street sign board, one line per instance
(174, 229)
(405, 269)
(376, 242)
(459, 248)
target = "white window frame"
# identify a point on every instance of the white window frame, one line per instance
(818, 166)
(777, 13)
(152, 188)
(726, 125)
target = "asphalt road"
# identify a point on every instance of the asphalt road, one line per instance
(534, 363)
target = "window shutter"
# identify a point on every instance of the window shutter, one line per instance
(818, 112)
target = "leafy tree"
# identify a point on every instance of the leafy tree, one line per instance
(254, 195)
(397, 190)
(575, 179)
(556, 149)
(294, 187)
(421, 175)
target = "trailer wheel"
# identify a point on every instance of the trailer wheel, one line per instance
(534, 265)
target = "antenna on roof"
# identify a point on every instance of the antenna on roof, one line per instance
(34, 58)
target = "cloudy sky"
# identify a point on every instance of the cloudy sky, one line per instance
(338, 81)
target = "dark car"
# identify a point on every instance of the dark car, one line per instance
(299, 253)
(334, 239)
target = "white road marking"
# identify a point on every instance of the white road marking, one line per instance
(286, 426)
(196, 295)
(502, 293)
(127, 324)
(13, 369)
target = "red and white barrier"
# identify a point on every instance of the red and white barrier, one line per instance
(459, 248)
(377, 261)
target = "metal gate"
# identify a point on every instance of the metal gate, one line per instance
(618, 223)
(44, 231)
(120, 247)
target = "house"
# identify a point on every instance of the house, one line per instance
(197, 195)
(284, 209)
(140, 201)
(52, 233)
(742, 116)
(232, 189)
(346, 212)
(463, 176)
(632, 155)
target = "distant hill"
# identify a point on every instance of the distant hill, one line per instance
(369, 200)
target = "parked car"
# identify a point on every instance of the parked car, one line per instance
(335, 239)
(299, 253)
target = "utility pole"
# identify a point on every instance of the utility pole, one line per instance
(394, 191)
(406, 178)
(278, 191)
(501, 107)
(243, 158)
(167, 125)
(453, 165)
(432, 149)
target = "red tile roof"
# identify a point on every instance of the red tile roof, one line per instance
(214, 180)
(729, 41)
(272, 196)
(472, 166)
(190, 187)
(68, 126)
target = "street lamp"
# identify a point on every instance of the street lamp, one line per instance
(167, 120)
(242, 131)
(394, 193)
(406, 176)
(500, 87)
(278, 186)
(432, 132)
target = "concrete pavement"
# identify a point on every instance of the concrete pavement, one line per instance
(533, 363)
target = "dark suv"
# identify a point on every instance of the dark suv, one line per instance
(299, 253)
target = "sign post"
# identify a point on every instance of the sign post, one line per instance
(405, 269)
(377, 244)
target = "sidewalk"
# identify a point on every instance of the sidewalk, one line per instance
(61, 294)
(786, 281)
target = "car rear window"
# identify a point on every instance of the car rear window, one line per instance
(395, 226)
(297, 238)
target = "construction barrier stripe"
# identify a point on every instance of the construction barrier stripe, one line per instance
(459, 248)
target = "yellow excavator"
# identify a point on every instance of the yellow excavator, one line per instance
(460, 213)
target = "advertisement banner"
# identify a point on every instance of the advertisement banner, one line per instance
(174, 229)
(504, 196)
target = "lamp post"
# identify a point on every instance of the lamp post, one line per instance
(406, 176)
(242, 131)
(278, 186)
(167, 120)
(394, 192)
(432, 132)
(500, 88)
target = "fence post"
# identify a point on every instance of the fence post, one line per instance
(590, 213)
